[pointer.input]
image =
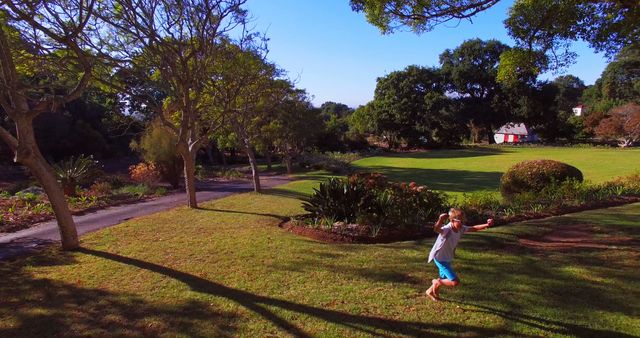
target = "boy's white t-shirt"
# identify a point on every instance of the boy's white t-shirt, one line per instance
(445, 245)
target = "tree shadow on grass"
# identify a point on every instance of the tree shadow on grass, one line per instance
(41, 307)
(280, 217)
(259, 304)
(453, 153)
(447, 180)
(554, 326)
(285, 193)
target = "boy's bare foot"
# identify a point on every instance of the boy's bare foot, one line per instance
(431, 295)
(435, 284)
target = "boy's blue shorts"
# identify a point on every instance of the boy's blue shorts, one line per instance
(446, 271)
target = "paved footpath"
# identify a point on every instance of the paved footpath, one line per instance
(29, 240)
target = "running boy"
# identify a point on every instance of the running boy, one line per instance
(445, 246)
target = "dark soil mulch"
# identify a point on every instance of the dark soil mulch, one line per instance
(578, 236)
(395, 235)
(384, 236)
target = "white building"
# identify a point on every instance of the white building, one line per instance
(578, 110)
(514, 133)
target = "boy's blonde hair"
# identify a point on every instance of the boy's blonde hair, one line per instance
(457, 214)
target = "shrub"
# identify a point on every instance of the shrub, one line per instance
(535, 175)
(76, 171)
(134, 190)
(229, 174)
(370, 200)
(332, 162)
(116, 181)
(146, 173)
(101, 188)
(160, 191)
(480, 205)
(157, 145)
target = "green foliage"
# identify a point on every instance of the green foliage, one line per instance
(28, 197)
(618, 84)
(76, 170)
(334, 162)
(158, 146)
(470, 72)
(160, 191)
(409, 106)
(138, 190)
(205, 172)
(543, 29)
(115, 181)
(371, 200)
(535, 175)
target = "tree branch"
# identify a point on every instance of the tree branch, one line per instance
(9, 139)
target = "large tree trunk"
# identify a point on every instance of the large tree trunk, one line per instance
(28, 154)
(254, 168)
(189, 163)
(288, 163)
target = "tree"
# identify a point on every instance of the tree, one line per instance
(421, 15)
(553, 116)
(173, 46)
(470, 71)
(408, 106)
(294, 126)
(543, 29)
(619, 84)
(623, 125)
(46, 62)
(245, 90)
(335, 117)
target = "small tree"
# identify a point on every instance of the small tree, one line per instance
(172, 47)
(622, 125)
(158, 146)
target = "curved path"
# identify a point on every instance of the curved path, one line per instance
(29, 240)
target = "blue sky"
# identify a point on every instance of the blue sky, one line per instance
(336, 55)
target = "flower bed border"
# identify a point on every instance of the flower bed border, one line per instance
(31, 222)
(391, 237)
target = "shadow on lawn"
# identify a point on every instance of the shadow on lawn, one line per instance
(540, 323)
(443, 179)
(259, 305)
(280, 217)
(40, 307)
(453, 153)
(285, 193)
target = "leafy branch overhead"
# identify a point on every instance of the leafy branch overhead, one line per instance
(543, 29)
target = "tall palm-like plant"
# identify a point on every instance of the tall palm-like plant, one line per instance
(75, 171)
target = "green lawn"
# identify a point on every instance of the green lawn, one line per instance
(228, 270)
(473, 169)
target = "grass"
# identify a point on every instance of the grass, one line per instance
(228, 270)
(476, 169)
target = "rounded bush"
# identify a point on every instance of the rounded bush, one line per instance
(535, 175)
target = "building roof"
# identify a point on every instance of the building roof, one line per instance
(513, 129)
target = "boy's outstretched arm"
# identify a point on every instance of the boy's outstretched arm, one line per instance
(481, 227)
(438, 226)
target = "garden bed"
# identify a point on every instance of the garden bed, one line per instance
(359, 234)
(340, 236)
(19, 213)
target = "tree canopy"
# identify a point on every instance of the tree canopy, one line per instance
(543, 29)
